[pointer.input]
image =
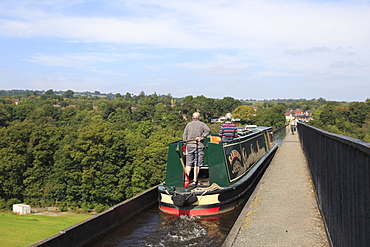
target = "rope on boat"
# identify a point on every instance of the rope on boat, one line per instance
(213, 187)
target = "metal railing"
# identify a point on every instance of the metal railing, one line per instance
(340, 170)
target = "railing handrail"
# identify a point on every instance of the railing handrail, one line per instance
(350, 141)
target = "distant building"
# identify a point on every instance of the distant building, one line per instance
(16, 101)
(221, 119)
(299, 115)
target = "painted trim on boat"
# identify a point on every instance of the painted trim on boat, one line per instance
(202, 200)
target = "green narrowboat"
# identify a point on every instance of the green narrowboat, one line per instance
(229, 170)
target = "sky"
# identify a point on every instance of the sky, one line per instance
(245, 49)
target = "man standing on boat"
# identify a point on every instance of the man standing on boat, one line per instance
(194, 134)
(228, 130)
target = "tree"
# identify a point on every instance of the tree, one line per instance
(128, 97)
(31, 94)
(14, 158)
(358, 112)
(345, 119)
(188, 106)
(227, 104)
(43, 143)
(206, 106)
(273, 116)
(143, 113)
(160, 113)
(88, 165)
(245, 113)
(24, 110)
(49, 92)
(6, 112)
(68, 94)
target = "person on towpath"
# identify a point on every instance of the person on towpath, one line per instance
(293, 125)
(194, 134)
(228, 130)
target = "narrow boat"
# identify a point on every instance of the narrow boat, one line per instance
(226, 177)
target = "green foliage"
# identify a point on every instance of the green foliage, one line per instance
(273, 116)
(351, 119)
(83, 153)
(91, 151)
(245, 113)
(68, 94)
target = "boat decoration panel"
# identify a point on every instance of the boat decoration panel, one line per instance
(241, 155)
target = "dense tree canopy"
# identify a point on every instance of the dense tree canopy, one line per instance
(352, 119)
(91, 152)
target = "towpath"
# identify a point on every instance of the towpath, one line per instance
(282, 211)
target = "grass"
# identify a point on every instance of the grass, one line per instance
(24, 230)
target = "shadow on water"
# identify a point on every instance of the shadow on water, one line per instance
(154, 228)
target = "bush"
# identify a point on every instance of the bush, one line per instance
(10, 202)
(62, 206)
(85, 206)
(100, 208)
(3, 205)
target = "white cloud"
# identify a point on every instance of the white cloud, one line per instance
(74, 60)
(203, 24)
(221, 71)
(85, 59)
(64, 83)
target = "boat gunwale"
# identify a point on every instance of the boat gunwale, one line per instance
(243, 138)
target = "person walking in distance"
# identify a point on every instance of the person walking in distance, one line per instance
(194, 134)
(293, 125)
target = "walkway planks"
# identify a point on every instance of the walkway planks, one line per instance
(282, 211)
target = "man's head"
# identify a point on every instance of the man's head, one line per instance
(228, 116)
(196, 115)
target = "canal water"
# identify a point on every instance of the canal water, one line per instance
(280, 135)
(154, 228)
